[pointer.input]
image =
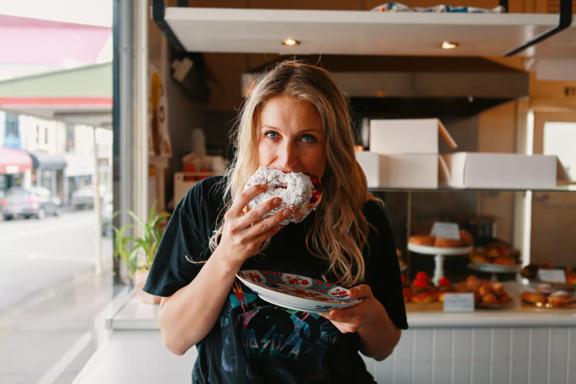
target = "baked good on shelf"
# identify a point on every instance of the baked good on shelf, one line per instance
(486, 293)
(560, 299)
(443, 242)
(504, 260)
(421, 240)
(465, 240)
(497, 252)
(424, 297)
(423, 291)
(533, 297)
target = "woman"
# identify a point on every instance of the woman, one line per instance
(295, 120)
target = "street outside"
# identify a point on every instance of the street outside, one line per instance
(50, 295)
(36, 254)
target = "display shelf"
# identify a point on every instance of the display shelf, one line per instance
(561, 188)
(364, 32)
(439, 255)
(494, 268)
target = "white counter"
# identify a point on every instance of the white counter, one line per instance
(517, 345)
(134, 315)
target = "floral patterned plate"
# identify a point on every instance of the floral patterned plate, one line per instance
(296, 292)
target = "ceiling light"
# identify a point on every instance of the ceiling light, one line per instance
(449, 44)
(290, 42)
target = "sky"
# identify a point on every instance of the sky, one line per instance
(93, 12)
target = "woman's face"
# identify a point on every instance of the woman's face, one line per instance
(291, 137)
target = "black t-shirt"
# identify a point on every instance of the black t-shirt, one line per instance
(257, 342)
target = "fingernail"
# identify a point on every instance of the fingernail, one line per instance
(276, 201)
(287, 212)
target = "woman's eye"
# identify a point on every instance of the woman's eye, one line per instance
(271, 135)
(308, 139)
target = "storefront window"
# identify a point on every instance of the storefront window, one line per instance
(55, 171)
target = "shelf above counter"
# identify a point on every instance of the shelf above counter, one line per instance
(562, 188)
(365, 32)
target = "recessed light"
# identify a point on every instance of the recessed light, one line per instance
(449, 44)
(290, 42)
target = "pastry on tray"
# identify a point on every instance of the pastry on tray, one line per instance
(423, 291)
(545, 296)
(495, 253)
(465, 240)
(487, 294)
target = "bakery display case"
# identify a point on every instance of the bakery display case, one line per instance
(491, 259)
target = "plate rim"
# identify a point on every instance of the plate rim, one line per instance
(291, 298)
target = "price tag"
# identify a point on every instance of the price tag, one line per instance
(458, 302)
(552, 275)
(445, 230)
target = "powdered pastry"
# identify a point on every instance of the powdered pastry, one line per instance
(297, 191)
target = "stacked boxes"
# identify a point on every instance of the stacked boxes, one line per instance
(404, 153)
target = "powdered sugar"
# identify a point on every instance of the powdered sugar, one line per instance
(294, 188)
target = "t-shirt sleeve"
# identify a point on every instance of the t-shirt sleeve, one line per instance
(183, 246)
(382, 268)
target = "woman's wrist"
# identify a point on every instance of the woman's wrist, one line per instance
(227, 262)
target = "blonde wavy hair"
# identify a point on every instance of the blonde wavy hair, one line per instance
(340, 230)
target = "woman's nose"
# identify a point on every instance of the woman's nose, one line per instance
(288, 158)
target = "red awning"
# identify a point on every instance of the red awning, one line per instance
(14, 161)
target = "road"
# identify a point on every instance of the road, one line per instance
(36, 254)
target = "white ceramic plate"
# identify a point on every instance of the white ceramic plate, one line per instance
(493, 268)
(428, 250)
(296, 292)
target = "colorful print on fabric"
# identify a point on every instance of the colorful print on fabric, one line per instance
(271, 331)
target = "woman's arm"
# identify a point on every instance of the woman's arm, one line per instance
(378, 334)
(188, 315)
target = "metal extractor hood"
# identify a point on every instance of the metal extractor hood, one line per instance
(416, 86)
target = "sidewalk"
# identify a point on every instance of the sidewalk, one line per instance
(48, 338)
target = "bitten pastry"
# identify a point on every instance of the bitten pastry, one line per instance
(297, 190)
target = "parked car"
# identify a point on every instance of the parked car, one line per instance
(83, 198)
(35, 202)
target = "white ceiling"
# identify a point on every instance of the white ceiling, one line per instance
(366, 33)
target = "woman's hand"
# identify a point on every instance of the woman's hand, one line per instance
(378, 334)
(243, 233)
(354, 318)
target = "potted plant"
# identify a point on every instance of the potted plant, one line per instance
(135, 246)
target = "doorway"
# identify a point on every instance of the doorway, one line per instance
(553, 229)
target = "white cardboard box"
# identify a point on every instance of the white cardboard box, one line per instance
(500, 170)
(408, 136)
(400, 170)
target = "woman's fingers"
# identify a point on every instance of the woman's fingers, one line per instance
(361, 291)
(244, 198)
(255, 214)
(260, 229)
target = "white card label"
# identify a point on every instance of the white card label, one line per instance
(458, 302)
(552, 275)
(445, 230)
